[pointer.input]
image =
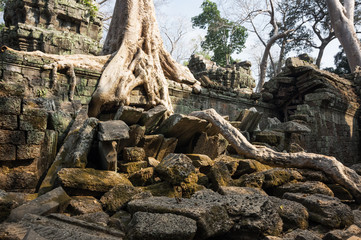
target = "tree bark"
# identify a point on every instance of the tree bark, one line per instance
(139, 58)
(341, 174)
(343, 23)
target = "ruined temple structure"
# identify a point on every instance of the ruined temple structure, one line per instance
(134, 173)
(59, 27)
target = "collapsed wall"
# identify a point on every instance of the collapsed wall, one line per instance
(59, 27)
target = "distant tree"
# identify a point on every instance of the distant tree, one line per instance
(341, 63)
(224, 37)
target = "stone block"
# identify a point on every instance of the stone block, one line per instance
(152, 117)
(151, 144)
(168, 146)
(161, 227)
(212, 146)
(28, 152)
(12, 89)
(9, 122)
(118, 196)
(113, 130)
(129, 115)
(201, 161)
(35, 137)
(133, 167)
(89, 182)
(133, 154)
(175, 168)
(83, 205)
(108, 155)
(143, 177)
(182, 127)
(37, 120)
(13, 137)
(7, 152)
(10, 105)
(53, 201)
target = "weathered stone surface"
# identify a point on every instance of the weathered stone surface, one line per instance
(202, 162)
(113, 130)
(86, 181)
(7, 152)
(62, 227)
(32, 235)
(28, 152)
(73, 153)
(9, 201)
(118, 196)
(216, 214)
(162, 189)
(136, 134)
(212, 146)
(60, 121)
(12, 137)
(54, 201)
(9, 122)
(291, 127)
(168, 146)
(357, 168)
(182, 127)
(10, 105)
(149, 226)
(240, 191)
(84, 204)
(309, 187)
(247, 166)
(293, 214)
(300, 234)
(211, 217)
(357, 217)
(35, 137)
(152, 162)
(175, 168)
(269, 179)
(272, 138)
(352, 230)
(151, 118)
(130, 115)
(35, 121)
(231, 162)
(249, 119)
(108, 155)
(151, 144)
(143, 177)
(100, 218)
(323, 209)
(132, 167)
(219, 175)
(133, 154)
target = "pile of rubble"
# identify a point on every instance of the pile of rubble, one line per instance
(235, 77)
(144, 176)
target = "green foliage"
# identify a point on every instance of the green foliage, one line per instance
(93, 7)
(2, 5)
(341, 63)
(223, 37)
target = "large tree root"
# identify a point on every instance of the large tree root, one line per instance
(139, 59)
(341, 174)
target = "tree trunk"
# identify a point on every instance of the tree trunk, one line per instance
(343, 24)
(139, 59)
(341, 174)
(263, 65)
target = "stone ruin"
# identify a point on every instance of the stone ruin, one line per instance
(59, 27)
(133, 174)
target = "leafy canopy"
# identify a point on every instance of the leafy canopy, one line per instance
(223, 37)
